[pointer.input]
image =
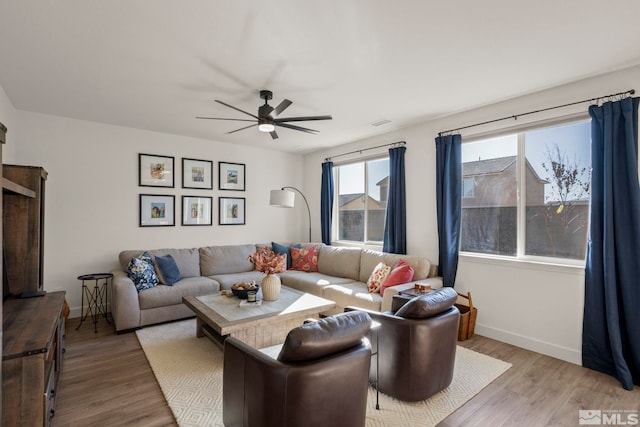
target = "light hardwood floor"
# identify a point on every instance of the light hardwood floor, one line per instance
(106, 381)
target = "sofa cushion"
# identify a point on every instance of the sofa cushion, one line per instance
(428, 305)
(311, 283)
(304, 259)
(162, 295)
(369, 259)
(169, 271)
(226, 259)
(324, 337)
(188, 260)
(339, 261)
(401, 273)
(355, 293)
(281, 249)
(141, 272)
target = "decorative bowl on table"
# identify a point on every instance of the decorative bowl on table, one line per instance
(241, 290)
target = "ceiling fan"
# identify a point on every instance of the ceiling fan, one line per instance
(267, 118)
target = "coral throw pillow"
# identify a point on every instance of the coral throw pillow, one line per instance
(401, 273)
(378, 277)
(304, 259)
(284, 250)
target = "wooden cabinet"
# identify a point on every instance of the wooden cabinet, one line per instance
(33, 349)
(3, 139)
(32, 330)
(23, 226)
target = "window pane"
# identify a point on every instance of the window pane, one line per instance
(489, 208)
(362, 200)
(558, 190)
(378, 189)
(351, 202)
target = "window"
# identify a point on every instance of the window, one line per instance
(362, 200)
(468, 188)
(530, 194)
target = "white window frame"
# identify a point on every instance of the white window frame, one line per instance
(335, 232)
(521, 197)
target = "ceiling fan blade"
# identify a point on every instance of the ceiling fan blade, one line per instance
(302, 119)
(280, 108)
(246, 127)
(237, 109)
(307, 130)
(273, 134)
(220, 118)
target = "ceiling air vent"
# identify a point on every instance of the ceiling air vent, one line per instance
(380, 122)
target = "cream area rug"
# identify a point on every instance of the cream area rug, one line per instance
(189, 371)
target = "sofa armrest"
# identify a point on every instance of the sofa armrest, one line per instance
(434, 282)
(125, 306)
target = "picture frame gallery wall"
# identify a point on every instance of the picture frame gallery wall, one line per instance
(159, 210)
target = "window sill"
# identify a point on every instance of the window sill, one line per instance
(351, 244)
(520, 263)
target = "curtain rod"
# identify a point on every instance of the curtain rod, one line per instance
(365, 149)
(515, 116)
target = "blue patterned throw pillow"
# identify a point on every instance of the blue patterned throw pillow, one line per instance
(141, 272)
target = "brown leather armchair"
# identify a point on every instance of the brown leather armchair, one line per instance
(417, 345)
(320, 377)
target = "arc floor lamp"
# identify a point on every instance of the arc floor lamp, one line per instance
(285, 198)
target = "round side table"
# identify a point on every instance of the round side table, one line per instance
(96, 295)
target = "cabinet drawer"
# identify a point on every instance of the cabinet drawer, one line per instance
(50, 397)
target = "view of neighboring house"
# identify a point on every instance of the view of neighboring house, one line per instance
(491, 183)
(489, 223)
(351, 211)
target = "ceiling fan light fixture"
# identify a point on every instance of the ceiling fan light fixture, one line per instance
(269, 117)
(266, 127)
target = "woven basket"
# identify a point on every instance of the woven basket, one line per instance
(468, 314)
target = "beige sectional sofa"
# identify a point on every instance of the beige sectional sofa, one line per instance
(342, 277)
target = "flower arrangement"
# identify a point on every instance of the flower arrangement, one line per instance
(268, 262)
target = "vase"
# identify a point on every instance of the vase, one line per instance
(271, 287)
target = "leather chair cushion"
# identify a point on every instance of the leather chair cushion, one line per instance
(428, 305)
(326, 336)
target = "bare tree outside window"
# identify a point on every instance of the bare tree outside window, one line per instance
(565, 214)
(551, 184)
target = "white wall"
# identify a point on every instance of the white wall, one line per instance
(8, 117)
(538, 307)
(92, 194)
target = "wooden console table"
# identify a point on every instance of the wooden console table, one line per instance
(32, 352)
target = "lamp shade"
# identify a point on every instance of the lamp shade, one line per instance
(282, 198)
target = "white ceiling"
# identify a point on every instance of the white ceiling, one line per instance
(156, 64)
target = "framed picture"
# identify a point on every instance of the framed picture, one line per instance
(197, 174)
(196, 210)
(155, 171)
(157, 210)
(231, 176)
(231, 210)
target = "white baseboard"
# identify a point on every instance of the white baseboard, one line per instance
(559, 352)
(76, 312)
